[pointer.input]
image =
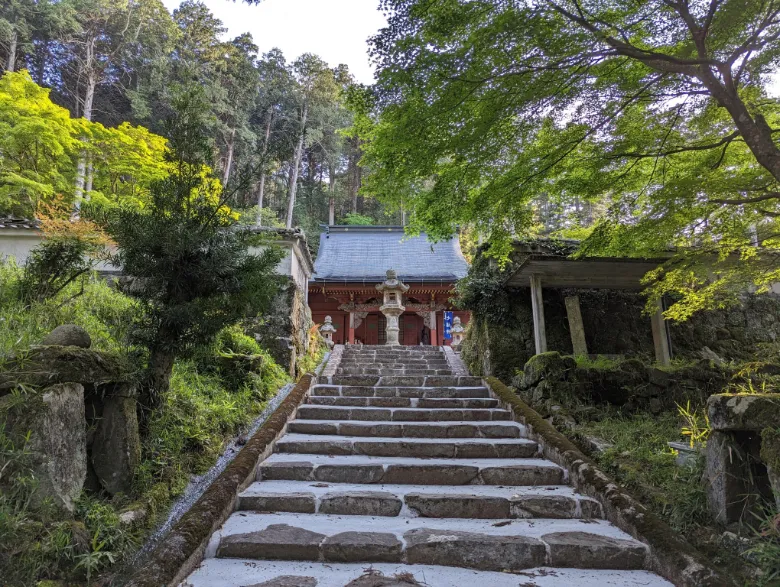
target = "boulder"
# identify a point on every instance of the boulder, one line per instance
(46, 365)
(54, 418)
(754, 412)
(551, 366)
(116, 449)
(68, 335)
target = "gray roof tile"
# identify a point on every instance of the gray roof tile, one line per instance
(365, 253)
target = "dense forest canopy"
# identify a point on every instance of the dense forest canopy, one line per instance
(89, 84)
(641, 125)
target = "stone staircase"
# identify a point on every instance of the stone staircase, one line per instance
(397, 467)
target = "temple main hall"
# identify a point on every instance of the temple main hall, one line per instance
(353, 260)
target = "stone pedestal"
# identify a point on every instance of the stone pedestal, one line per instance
(391, 314)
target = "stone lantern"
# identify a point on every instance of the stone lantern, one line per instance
(458, 332)
(327, 330)
(393, 290)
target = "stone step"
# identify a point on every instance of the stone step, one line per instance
(461, 429)
(221, 572)
(403, 402)
(443, 501)
(364, 391)
(314, 412)
(413, 372)
(475, 544)
(402, 381)
(408, 470)
(399, 361)
(508, 448)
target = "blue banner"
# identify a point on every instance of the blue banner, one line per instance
(447, 325)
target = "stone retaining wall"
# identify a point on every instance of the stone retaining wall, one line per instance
(671, 555)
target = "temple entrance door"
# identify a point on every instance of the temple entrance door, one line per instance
(412, 328)
(372, 329)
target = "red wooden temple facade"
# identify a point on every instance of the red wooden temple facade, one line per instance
(353, 260)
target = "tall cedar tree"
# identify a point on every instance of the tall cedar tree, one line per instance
(192, 264)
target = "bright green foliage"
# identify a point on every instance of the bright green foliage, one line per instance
(39, 144)
(658, 116)
(37, 140)
(357, 220)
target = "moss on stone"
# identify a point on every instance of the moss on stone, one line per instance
(743, 411)
(770, 447)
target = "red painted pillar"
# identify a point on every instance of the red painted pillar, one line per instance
(434, 330)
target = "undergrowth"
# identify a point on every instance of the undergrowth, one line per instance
(212, 398)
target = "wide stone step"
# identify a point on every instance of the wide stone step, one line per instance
(443, 501)
(461, 429)
(401, 372)
(511, 448)
(408, 471)
(403, 402)
(222, 572)
(391, 362)
(365, 391)
(475, 544)
(402, 381)
(314, 412)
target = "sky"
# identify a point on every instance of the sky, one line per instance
(336, 30)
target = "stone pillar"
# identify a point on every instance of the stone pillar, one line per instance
(728, 473)
(576, 327)
(663, 353)
(537, 309)
(393, 290)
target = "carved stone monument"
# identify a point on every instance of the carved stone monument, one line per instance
(393, 290)
(327, 330)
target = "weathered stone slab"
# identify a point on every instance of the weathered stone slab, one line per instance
(474, 551)
(591, 551)
(362, 503)
(288, 581)
(366, 429)
(458, 506)
(349, 547)
(116, 448)
(301, 503)
(349, 473)
(543, 506)
(323, 447)
(522, 475)
(276, 542)
(743, 411)
(304, 427)
(430, 474)
(293, 471)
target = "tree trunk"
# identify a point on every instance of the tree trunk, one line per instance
(229, 162)
(158, 378)
(81, 169)
(12, 44)
(264, 152)
(332, 195)
(296, 165)
(88, 185)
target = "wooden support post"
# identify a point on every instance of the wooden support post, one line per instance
(663, 353)
(434, 330)
(351, 328)
(576, 327)
(537, 308)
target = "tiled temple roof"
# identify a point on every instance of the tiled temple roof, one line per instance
(351, 254)
(10, 222)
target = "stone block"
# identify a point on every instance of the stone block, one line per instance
(458, 506)
(68, 335)
(582, 550)
(366, 429)
(430, 474)
(349, 547)
(287, 581)
(743, 411)
(361, 503)
(276, 542)
(543, 506)
(116, 448)
(522, 475)
(54, 419)
(322, 447)
(474, 551)
(728, 474)
(303, 427)
(349, 473)
(292, 471)
(300, 503)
